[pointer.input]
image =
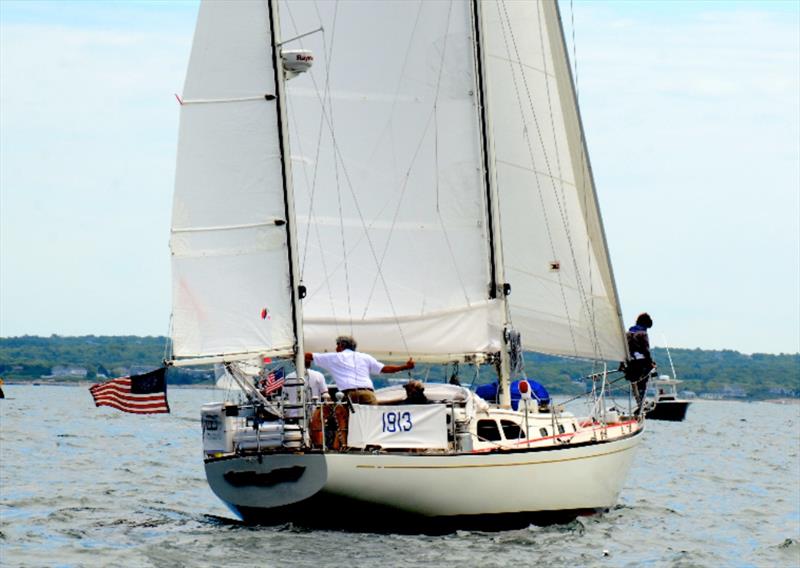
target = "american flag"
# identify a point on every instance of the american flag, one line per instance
(273, 382)
(140, 394)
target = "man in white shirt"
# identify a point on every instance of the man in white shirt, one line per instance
(351, 369)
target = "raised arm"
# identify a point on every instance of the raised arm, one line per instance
(397, 368)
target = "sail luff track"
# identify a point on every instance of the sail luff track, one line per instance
(485, 148)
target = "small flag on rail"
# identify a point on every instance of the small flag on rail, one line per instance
(273, 382)
(139, 394)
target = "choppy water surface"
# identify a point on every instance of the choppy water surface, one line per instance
(81, 486)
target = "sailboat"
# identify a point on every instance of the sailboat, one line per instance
(415, 175)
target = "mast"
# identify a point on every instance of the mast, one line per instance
(286, 176)
(498, 288)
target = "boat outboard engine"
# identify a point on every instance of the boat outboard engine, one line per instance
(296, 61)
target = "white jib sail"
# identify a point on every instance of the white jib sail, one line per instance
(385, 138)
(563, 298)
(230, 265)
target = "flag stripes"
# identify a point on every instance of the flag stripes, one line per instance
(274, 381)
(142, 394)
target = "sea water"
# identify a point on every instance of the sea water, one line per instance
(86, 486)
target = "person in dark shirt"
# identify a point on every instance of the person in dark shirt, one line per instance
(640, 364)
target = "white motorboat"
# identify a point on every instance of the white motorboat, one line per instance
(431, 162)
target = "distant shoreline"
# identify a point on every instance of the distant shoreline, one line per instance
(85, 360)
(87, 384)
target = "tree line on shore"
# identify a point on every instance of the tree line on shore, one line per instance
(724, 374)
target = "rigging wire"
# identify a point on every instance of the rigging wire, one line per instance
(336, 174)
(327, 54)
(588, 304)
(540, 193)
(436, 161)
(388, 128)
(584, 169)
(326, 118)
(560, 206)
(432, 119)
(340, 163)
(338, 157)
(312, 185)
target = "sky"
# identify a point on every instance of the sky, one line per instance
(691, 112)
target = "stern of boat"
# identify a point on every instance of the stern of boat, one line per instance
(266, 482)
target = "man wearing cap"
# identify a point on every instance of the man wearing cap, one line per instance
(351, 369)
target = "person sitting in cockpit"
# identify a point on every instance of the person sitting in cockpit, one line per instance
(415, 393)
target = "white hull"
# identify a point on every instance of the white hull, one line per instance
(553, 479)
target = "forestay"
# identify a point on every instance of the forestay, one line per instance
(230, 264)
(563, 298)
(388, 179)
(402, 426)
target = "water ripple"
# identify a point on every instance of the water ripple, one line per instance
(81, 486)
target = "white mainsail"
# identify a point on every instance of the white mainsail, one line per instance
(231, 285)
(563, 299)
(388, 178)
